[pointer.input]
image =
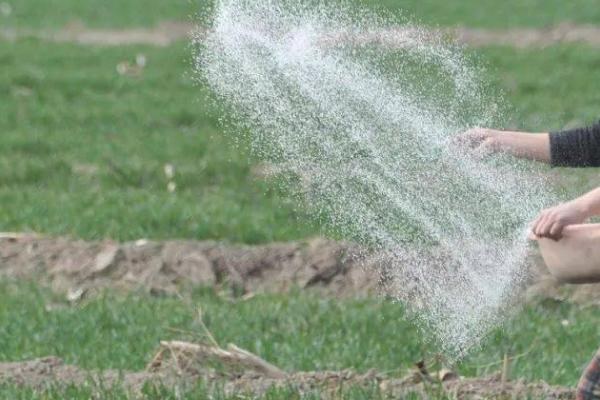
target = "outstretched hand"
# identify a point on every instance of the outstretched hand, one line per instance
(485, 141)
(482, 141)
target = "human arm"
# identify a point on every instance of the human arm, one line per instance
(570, 148)
(551, 222)
(578, 147)
(519, 144)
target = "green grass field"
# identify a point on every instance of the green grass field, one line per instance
(83, 150)
(296, 332)
(476, 13)
(90, 144)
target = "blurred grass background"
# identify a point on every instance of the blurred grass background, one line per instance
(84, 148)
(296, 331)
(473, 13)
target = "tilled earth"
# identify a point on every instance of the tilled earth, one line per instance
(168, 32)
(74, 266)
(78, 268)
(43, 372)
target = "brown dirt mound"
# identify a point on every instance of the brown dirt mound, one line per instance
(48, 371)
(51, 371)
(76, 267)
(168, 32)
(529, 37)
(163, 34)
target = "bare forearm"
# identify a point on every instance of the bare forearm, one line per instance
(532, 146)
(589, 203)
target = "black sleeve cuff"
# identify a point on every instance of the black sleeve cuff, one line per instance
(576, 147)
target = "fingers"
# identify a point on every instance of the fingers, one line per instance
(532, 236)
(486, 148)
(481, 141)
(547, 225)
(543, 227)
(537, 223)
(556, 230)
(471, 138)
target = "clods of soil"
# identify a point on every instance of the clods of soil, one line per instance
(51, 371)
(77, 267)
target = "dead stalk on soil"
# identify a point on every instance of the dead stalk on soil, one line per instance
(233, 357)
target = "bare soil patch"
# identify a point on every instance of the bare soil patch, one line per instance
(51, 371)
(169, 32)
(163, 34)
(530, 37)
(78, 268)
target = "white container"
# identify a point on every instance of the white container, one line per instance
(575, 258)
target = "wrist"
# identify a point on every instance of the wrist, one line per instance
(583, 206)
(499, 140)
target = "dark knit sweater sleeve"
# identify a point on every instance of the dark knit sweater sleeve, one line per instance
(576, 147)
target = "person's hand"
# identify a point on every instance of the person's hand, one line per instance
(482, 141)
(551, 221)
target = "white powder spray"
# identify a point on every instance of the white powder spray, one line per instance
(357, 112)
